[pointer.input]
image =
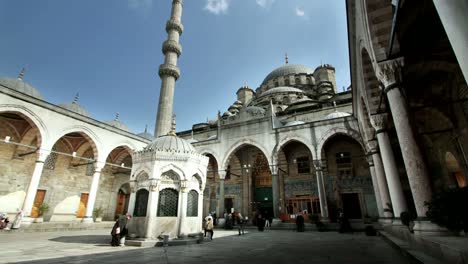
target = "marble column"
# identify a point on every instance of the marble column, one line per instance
(33, 184)
(375, 185)
(321, 190)
(391, 172)
(88, 218)
(221, 195)
(453, 17)
(275, 189)
(382, 182)
(390, 75)
(152, 209)
(183, 209)
(131, 200)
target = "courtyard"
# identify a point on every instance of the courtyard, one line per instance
(271, 246)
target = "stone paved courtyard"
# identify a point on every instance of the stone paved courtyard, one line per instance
(254, 247)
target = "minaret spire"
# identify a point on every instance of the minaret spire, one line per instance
(21, 74)
(287, 59)
(169, 72)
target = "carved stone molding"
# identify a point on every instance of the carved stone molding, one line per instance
(379, 122)
(169, 69)
(390, 72)
(174, 25)
(372, 147)
(171, 46)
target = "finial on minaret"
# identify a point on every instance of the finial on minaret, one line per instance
(21, 74)
(116, 117)
(75, 100)
(173, 127)
(287, 59)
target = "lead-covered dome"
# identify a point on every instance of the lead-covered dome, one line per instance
(171, 143)
(75, 107)
(118, 124)
(20, 86)
(281, 89)
(288, 69)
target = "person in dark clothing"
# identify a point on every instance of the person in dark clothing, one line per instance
(260, 222)
(119, 229)
(240, 223)
(300, 222)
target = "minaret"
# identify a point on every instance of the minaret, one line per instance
(169, 72)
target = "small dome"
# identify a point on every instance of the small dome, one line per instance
(255, 110)
(146, 135)
(171, 143)
(20, 86)
(286, 70)
(227, 113)
(75, 107)
(118, 124)
(294, 123)
(337, 114)
(238, 102)
(282, 89)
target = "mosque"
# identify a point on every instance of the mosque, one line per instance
(295, 143)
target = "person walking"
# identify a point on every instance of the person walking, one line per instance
(300, 222)
(240, 223)
(119, 230)
(209, 227)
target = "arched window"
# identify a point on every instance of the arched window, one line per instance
(141, 202)
(168, 202)
(192, 203)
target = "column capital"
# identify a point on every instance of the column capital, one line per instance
(274, 169)
(222, 175)
(372, 147)
(370, 160)
(390, 72)
(153, 185)
(42, 155)
(318, 164)
(184, 186)
(379, 122)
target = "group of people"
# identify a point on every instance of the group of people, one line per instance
(263, 220)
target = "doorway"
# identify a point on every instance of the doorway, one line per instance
(82, 208)
(38, 201)
(351, 205)
(228, 204)
(122, 203)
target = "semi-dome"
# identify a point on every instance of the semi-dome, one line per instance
(337, 114)
(75, 107)
(171, 143)
(20, 86)
(255, 110)
(288, 69)
(117, 123)
(282, 89)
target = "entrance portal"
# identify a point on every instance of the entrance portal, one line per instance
(351, 205)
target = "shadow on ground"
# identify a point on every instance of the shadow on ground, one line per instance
(91, 239)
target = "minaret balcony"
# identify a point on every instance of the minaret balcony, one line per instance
(171, 46)
(169, 70)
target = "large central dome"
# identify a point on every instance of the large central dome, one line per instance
(288, 69)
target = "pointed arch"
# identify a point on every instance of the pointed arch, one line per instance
(238, 145)
(87, 133)
(33, 119)
(334, 132)
(286, 140)
(175, 169)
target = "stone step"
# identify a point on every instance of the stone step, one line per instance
(414, 256)
(62, 226)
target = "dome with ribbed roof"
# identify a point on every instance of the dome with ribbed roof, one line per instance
(288, 69)
(20, 86)
(281, 89)
(171, 143)
(75, 107)
(118, 124)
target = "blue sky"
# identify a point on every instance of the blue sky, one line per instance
(109, 51)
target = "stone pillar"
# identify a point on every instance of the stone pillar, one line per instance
(183, 209)
(33, 184)
(200, 212)
(453, 17)
(321, 190)
(131, 200)
(222, 175)
(391, 172)
(275, 189)
(88, 218)
(390, 75)
(382, 184)
(152, 209)
(169, 72)
(375, 185)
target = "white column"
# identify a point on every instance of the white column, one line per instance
(152, 209)
(221, 195)
(275, 189)
(131, 200)
(391, 172)
(453, 16)
(88, 218)
(321, 190)
(34, 183)
(200, 215)
(375, 185)
(382, 182)
(183, 209)
(390, 75)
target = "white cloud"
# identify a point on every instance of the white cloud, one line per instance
(300, 12)
(141, 5)
(217, 6)
(265, 3)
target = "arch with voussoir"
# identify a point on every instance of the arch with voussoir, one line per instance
(335, 132)
(33, 119)
(87, 133)
(283, 142)
(238, 145)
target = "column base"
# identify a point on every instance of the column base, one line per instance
(385, 221)
(27, 220)
(87, 219)
(425, 227)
